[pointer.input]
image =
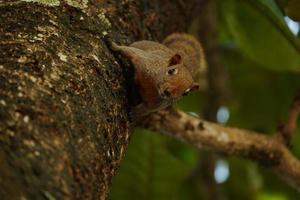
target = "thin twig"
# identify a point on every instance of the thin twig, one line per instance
(289, 127)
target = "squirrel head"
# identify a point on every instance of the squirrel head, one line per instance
(159, 71)
(175, 81)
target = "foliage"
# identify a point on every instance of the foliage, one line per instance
(262, 57)
(148, 171)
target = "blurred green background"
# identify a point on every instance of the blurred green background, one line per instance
(259, 44)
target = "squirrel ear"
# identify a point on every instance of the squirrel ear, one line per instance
(175, 60)
(195, 87)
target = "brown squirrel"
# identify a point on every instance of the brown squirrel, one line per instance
(164, 72)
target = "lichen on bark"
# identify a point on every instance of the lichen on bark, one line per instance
(63, 113)
(45, 2)
(82, 4)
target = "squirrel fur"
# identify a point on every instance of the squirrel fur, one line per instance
(164, 72)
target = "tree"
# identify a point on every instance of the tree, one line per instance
(64, 94)
(64, 122)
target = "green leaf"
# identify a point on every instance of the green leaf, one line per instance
(251, 179)
(271, 196)
(273, 6)
(148, 171)
(261, 97)
(261, 34)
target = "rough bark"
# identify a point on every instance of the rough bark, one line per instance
(64, 123)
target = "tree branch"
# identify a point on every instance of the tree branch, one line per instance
(269, 151)
(289, 127)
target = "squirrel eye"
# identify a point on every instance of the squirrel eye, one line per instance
(172, 71)
(166, 93)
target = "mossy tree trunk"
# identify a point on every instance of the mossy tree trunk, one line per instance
(64, 124)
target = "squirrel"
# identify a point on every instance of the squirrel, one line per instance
(164, 72)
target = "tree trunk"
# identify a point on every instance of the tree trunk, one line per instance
(64, 123)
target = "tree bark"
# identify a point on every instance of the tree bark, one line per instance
(64, 123)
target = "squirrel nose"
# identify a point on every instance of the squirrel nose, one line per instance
(166, 94)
